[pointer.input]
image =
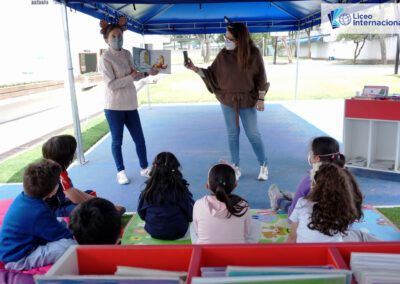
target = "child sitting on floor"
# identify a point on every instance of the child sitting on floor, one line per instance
(322, 149)
(95, 221)
(61, 149)
(166, 204)
(332, 206)
(223, 217)
(30, 235)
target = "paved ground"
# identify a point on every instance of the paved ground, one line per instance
(199, 141)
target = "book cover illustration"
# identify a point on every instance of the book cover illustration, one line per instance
(146, 59)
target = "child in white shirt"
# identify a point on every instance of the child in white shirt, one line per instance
(331, 207)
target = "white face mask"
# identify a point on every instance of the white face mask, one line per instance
(309, 159)
(229, 45)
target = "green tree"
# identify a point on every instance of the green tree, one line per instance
(260, 40)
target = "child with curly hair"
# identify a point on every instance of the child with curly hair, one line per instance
(333, 204)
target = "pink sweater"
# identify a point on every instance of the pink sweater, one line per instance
(213, 227)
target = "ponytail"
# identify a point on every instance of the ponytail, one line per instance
(222, 182)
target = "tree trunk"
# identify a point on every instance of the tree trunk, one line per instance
(308, 31)
(290, 40)
(207, 58)
(383, 49)
(355, 52)
(288, 50)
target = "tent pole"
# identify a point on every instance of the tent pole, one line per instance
(396, 66)
(71, 83)
(297, 64)
(147, 82)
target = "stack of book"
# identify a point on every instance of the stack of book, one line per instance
(282, 274)
(123, 275)
(371, 268)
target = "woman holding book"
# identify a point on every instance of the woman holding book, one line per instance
(116, 66)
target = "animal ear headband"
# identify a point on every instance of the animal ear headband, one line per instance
(121, 22)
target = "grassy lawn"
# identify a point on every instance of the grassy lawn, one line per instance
(11, 169)
(186, 86)
(393, 214)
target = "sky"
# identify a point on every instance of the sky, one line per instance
(32, 42)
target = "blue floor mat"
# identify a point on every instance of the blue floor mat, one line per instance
(196, 134)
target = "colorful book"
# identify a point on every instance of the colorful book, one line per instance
(107, 279)
(236, 271)
(275, 279)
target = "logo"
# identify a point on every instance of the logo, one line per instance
(39, 2)
(336, 15)
(344, 19)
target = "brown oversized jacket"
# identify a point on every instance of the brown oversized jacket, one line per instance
(231, 85)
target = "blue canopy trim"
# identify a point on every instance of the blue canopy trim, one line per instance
(205, 16)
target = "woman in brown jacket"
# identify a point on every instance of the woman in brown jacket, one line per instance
(237, 77)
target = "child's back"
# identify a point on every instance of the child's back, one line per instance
(302, 215)
(223, 217)
(212, 225)
(166, 204)
(333, 204)
(167, 221)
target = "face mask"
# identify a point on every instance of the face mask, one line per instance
(229, 45)
(116, 42)
(309, 159)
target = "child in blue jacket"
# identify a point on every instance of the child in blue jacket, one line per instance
(166, 204)
(30, 235)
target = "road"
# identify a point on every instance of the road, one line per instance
(28, 118)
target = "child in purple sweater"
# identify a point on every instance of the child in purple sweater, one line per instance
(322, 149)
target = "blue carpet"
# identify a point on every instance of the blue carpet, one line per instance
(10, 191)
(197, 136)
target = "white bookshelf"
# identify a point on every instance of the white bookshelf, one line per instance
(372, 144)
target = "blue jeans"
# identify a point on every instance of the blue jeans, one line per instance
(284, 204)
(116, 120)
(248, 116)
(43, 255)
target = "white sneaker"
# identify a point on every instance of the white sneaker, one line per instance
(274, 194)
(263, 175)
(122, 178)
(145, 172)
(237, 170)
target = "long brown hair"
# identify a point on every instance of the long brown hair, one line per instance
(335, 206)
(245, 45)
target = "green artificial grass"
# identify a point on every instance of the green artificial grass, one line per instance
(125, 219)
(393, 214)
(11, 170)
